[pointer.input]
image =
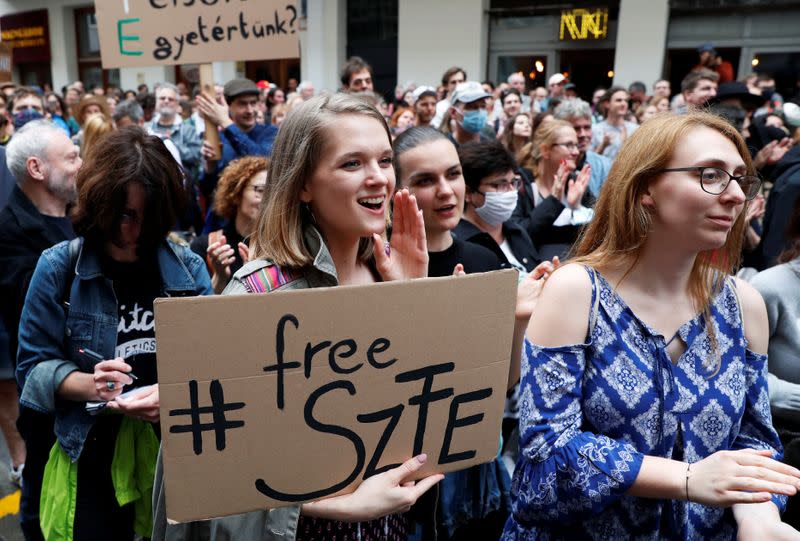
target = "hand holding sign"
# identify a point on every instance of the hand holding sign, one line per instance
(380, 495)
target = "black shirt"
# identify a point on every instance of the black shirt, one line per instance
(63, 225)
(136, 286)
(232, 237)
(474, 257)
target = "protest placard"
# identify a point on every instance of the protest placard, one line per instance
(167, 32)
(273, 400)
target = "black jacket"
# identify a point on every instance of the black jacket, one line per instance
(521, 244)
(780, 207)
(24, 235)
(537, 221)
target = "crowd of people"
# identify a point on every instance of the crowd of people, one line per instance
(656, 236)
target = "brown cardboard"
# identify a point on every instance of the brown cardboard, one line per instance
(467, 321)
(168, 32)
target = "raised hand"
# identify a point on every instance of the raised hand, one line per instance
(407, 256)
(576, 188)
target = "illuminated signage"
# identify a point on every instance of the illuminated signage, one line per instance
(28, 35)
(581, 24)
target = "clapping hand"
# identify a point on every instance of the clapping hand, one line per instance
(407, 256)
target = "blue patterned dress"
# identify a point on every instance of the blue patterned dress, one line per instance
(590, 412)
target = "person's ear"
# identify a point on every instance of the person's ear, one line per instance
(305, 194)
(36, 168)
(545, 151)
(648, 201)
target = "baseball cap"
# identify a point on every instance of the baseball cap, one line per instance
(468, 92)
(707, 47)
(556, 79)
(791, 112)
(570, 86)
(420, 90)
(262, 84)
(239, 87)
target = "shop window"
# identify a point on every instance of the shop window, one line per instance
(90, 69)
(532, 67)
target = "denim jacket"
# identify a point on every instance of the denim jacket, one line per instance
(50, 334)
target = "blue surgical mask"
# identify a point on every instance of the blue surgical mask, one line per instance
(474, 120)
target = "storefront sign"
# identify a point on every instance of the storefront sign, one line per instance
(581, 24)
(169, 32)
(28, 34)
(278, 399)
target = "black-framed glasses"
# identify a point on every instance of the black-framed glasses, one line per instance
(504, 185)
(714, 180)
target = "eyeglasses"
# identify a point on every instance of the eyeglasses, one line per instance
(130, 217)
(258, 188)
(504, 185)
(714, 180)
(568, 146)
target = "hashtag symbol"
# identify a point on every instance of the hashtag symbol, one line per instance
(217, 410)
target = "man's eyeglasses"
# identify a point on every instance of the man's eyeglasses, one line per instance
(503, 185)
(568, 146)
(714, 180)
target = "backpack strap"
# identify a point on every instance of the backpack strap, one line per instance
(269, 278)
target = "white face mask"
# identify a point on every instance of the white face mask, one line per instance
(497, 206)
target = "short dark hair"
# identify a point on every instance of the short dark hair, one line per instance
(479, 160)
(411, 139)
(507, 92)
(353, 65)
(120, 159)
(637, 86)
(693, 78)
(613, 90)
(450, 72)
(22, 92)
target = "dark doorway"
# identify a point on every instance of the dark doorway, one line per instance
(681, 61)
(588, 69)
(372, 35)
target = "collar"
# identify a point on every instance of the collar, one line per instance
(323, 261)
(28, 216)
(175, 277)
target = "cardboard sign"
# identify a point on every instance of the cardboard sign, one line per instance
(167, 32)
(277, 399)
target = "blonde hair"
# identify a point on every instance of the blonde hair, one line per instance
(296, 154)
(621, 222)
(94, 130)
(545, 136)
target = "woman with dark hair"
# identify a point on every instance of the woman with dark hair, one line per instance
(780, 287)
(87, 326)
(275, 97)
(238, 200)
(644, 406)
(517, 133)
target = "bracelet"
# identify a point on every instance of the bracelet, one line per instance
(688, 472)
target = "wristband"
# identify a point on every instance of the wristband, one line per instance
(688, 472)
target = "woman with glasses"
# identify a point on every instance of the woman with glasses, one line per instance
(645, 413)
(555, 202)
(492, 186)
(237, 200)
